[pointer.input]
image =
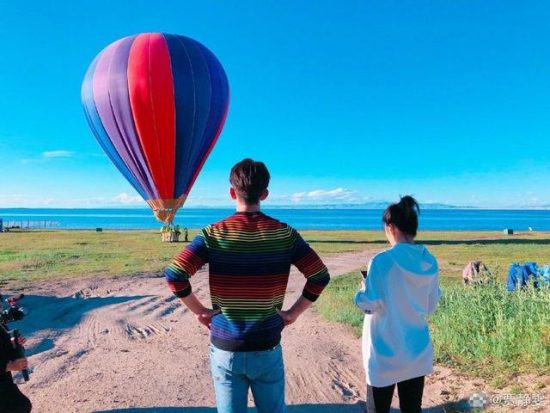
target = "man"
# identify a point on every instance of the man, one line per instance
(249, 256)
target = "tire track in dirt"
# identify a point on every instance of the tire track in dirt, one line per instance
(323, 359)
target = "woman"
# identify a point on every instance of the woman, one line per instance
(399, 290)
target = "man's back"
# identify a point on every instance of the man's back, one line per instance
(250, 255)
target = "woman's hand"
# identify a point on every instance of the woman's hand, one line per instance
(17, 364)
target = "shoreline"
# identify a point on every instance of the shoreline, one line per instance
(299, 218)
(304, 230)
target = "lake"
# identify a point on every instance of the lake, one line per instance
(328, 219)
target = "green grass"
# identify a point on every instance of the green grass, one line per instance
(453, 249)
(490, 331)
(336, 302)
(27, 256)
(483, 331)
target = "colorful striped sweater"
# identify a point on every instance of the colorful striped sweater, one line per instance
(249, 257)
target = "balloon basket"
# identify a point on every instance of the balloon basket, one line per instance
(170, 233)
(169, 237)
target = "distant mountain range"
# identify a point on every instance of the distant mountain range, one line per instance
(365, 205)
(378, 205)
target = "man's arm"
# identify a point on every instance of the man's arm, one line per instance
(181, 269)
(316, 273)
(204, 315)
(291, 315)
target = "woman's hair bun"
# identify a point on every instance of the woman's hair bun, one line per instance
(404, 215)
(409, 204)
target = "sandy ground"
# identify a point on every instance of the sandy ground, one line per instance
(127, 345)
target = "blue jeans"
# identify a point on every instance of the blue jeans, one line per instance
(261, 371)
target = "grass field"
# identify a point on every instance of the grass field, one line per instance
(39, 255)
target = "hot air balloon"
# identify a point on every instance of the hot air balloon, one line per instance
(156, 104)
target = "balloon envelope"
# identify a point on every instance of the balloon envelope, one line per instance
(157, 103)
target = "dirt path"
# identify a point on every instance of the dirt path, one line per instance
(127, 345)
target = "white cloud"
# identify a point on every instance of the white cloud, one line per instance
(126, 199)
(57, 154)
(322, 195)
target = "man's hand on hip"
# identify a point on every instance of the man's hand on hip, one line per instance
(288, 316)
(205, 317)
(291, 315)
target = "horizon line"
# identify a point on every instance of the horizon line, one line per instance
(429, 206)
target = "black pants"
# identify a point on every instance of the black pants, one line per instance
(12, 400)
(410, 396)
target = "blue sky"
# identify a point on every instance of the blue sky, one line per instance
(346, 102)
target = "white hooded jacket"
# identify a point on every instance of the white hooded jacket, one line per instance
(401, 290)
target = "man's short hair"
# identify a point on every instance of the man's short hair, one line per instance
(250, 179)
